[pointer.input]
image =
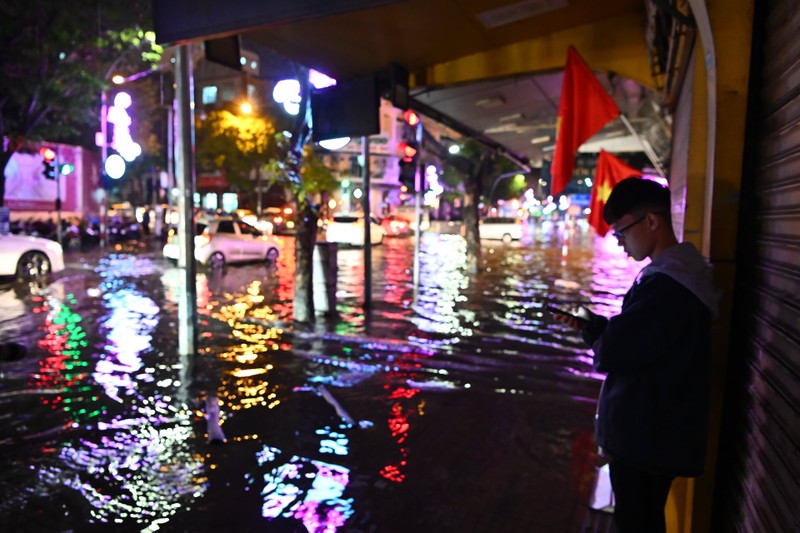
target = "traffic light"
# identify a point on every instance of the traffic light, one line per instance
(48, 163)
(66, 169)
(408, 175)
(409, 150)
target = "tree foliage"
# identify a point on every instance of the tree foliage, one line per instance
(475, 169)
(235, 143)
(317, 178)
(55, 58)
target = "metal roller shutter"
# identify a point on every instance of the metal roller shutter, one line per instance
(758, 473)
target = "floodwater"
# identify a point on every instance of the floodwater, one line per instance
(455, 404)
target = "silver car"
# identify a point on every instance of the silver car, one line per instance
(223, 240)
(349, 230)
(504, 229)
(29, 258)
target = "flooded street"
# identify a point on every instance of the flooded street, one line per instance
(453, 405)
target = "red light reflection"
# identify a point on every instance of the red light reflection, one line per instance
(399, 426)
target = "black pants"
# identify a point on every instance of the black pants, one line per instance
(639, 499)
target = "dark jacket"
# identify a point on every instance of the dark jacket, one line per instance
(653, 408)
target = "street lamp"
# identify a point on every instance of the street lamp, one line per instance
(498, 179)
(101, 139)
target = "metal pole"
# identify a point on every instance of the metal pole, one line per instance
(103, 157)
(258, 191)
(187, 304)
(645, 146)
(57, 172)
(417, 218)
(170, 156)
(365, 202)
(497, 180)
(417, 210)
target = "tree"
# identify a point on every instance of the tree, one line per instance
(237, 144)
(53, 61)
(317, 178)
(306, 236)
(300, 170)
(478, 167)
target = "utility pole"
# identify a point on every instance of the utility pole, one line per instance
(185, 174)
(365, 202)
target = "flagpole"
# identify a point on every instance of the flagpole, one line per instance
(645, 145)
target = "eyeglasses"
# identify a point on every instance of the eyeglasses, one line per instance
(620, 233)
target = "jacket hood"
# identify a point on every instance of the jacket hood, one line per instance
(687, 266)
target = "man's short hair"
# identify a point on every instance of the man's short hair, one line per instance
(636, 194)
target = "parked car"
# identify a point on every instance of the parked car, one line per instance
(121, 229)
(349, 230)
(223, 240)
(246, 215)
(504, 229)
(29, 258)
(282, 220)
(395, 226)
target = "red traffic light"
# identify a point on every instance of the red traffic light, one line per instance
(407, 152)
(47, 153)
(410, 117)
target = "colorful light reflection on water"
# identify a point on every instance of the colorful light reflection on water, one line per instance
(320, 505)
(121, 443)
(119, 422)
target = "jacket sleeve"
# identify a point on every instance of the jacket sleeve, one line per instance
(655, 312)
(594, 328)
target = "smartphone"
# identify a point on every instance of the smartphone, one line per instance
(558, 311)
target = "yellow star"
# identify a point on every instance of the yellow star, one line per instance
(603, 191)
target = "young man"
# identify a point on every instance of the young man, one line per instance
(652, 412)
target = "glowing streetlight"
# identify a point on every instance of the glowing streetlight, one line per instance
(335, 144)
(114, 166)
(246, 108)
(287, 92)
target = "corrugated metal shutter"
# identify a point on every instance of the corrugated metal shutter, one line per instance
(758, 473)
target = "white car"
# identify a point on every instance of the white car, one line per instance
(223, 240)
(349, 230)
(29, 258)
(504, 229)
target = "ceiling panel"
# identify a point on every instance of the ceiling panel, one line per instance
(422, 34)
(418, 34)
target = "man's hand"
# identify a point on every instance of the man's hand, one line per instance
(575, 323)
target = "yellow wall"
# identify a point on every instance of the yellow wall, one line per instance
(711, 223)
(613, 45)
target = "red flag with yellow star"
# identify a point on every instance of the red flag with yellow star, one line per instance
(609, 171)
(584, 108)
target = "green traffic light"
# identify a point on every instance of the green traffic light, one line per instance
(66, 169)
(345, 183)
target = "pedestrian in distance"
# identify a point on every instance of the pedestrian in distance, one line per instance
(146, 221)
(652, 413)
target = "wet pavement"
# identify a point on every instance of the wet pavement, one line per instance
(455, 405)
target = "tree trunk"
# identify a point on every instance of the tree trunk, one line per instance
(307, 218)
(471, 215)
